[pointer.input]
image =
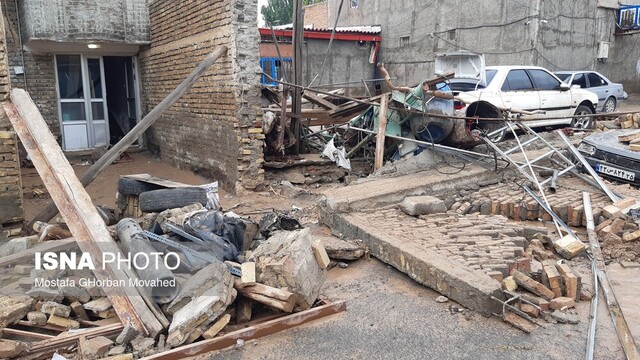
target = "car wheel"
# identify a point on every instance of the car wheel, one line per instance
(160, 200)
(609, 105)
(582, 122)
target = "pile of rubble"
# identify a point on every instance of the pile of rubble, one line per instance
(226, 270)
(627, 121)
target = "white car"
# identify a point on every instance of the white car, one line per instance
(528, 88)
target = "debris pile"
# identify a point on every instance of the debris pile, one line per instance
(627, 121)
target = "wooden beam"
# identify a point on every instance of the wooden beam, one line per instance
(251, 332)
(297, 40)
(315, 99)
(382, 132)
(23, 334)
(78, 211)
(622, 328)
(110, 156)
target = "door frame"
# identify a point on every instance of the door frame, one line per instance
(86, 99)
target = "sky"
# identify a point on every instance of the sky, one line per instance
(260, 19)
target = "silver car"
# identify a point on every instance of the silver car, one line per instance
(609, 93)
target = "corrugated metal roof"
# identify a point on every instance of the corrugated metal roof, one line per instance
(367, 29)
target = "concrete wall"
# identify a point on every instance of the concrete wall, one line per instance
(79, 20)
(39, 72)
(555, 34)
(211, 129)
(347, 63)
(10, 181)
(317, 15)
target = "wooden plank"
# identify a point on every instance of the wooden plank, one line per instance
(156, 180)
(48, 246)
(69, 339)
(634, 147)
(248, 271)
(622, 328)
(110, 156)
(78, 211)
(315, 99)
(252, 332)
(22, 334)
(382, 132)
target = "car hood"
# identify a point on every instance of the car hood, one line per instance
(607, 141)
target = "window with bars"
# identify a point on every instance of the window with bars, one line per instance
(275, 69)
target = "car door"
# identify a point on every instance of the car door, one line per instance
(555, 102)
(518, 92)
(598, 86)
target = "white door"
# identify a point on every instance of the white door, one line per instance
(555, 102)
(81, 101)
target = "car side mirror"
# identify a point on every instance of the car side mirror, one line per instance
(564, 87)
(576, 86)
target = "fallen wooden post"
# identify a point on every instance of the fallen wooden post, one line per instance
(88, 228)
(622, 328)
(251, 332)
(382, 131)
(110, 156)
(270, 296)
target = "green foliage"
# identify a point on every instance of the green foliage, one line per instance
(280, 12)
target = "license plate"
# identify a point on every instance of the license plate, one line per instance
(615, 172)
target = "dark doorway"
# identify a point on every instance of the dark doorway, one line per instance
(121, 98)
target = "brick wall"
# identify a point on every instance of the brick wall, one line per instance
(317, 15)
(210, 130)
(39, 71)
(10, 181)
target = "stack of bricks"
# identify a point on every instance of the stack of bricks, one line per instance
(11, 213)
(213, 129)
(484, 243)
(514, 203)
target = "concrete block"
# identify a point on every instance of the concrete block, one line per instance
(561, 303)
(423, 205)
(63, 322)
(13, 308)
(10, 349)
(509, 284)
(616, 226)
(286, 259)
(96, 347)
(625, 203)
(53, 308)
(611, 211)
(37, 318)
(343, 249)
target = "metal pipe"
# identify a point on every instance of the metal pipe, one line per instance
(554, 182)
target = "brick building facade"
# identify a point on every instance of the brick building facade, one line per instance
(317, 15)
(211, 129)
(10, 181)
(150, 46)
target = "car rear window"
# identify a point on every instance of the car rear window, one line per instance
(563, 77)
(517, 80)
(544, 80)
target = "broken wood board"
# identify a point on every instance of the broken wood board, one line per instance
(315, 99)
(64, 340)
(78, 211)
(147, 178)
(252, 332)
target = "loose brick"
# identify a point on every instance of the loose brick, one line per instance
(631, 236)
(530, 310)
(561, 303)
(532, 285)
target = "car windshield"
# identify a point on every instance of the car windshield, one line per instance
(563, 77)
